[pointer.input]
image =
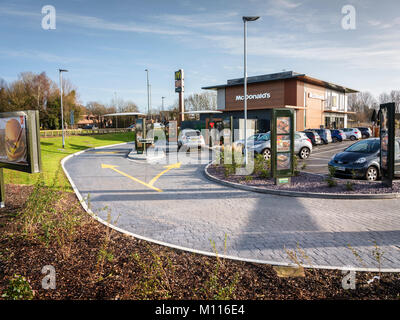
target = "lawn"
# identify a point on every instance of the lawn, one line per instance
(52, 154)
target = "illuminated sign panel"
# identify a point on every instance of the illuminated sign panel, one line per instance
(19, 141)
(179, 83)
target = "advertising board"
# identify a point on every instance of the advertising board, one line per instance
(282, 145)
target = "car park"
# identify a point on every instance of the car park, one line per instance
(314, 137)
(338, 135)
(190, 138)
(352, 133)
(302, 145)
(362, 160)
(325, 134)
(365, 132)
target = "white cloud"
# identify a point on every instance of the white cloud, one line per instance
(287, 4)
(34, 54)
(98, 23)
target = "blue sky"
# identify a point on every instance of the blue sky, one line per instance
(106, 45)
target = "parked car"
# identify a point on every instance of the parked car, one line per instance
(158, 125)
(362, 160)
(250, 140)
(338, 135)
(352, 133)
(89, 126)
(325, 134)
(302, 145)
(314, 137)
(365, 132)
(190, 138)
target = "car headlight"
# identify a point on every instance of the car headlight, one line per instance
(361, 160)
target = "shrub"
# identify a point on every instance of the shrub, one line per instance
(19, 288)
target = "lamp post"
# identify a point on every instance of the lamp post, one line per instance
(162, 108)
(148, 95)
(245, 19)
(60, 71)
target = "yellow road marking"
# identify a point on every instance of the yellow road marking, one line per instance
(112, 167)
(169, 167)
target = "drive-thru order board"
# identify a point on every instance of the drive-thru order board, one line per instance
(19, 144)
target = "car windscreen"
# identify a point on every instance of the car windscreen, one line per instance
(366, 146)
(253, 137)
(264, 137)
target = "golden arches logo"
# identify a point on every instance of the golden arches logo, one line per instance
(178, 75)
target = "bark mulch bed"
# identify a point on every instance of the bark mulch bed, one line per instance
(306, 182)
(135, 269)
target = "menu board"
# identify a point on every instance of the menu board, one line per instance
(384, 133)
(387, 141)
(282, 144)
(13, 146)
(172, 131)
(20, 141)
(140, 123)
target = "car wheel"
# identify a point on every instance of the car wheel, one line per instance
(352, 138)
(334, 139)
(371, 174)
(325, 141)
(304, 153)
(266, 154)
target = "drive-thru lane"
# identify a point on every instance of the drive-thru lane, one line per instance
(172, 202)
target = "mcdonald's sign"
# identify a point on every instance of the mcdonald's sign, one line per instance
(179, 81)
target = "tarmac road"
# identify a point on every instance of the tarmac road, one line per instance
(174, 203)
(321, 154)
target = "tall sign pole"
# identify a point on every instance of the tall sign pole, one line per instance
(148, 94)
(245, 20)
(180, 87)
(245, 91)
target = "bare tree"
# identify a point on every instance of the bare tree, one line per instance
(363, 104)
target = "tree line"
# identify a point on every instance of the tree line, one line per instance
(364, 103)
(38, 92)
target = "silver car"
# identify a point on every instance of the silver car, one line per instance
(190, 138)
(352, 133)
(302, 145)
(250, 140)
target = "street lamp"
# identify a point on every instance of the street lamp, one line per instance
(162, 108)
(245, 19)
(60, 71)
(148, 95)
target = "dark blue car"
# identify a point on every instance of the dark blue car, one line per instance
(337, 135)
(362, 160)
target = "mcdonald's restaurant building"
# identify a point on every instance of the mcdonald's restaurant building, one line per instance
(316, 103)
